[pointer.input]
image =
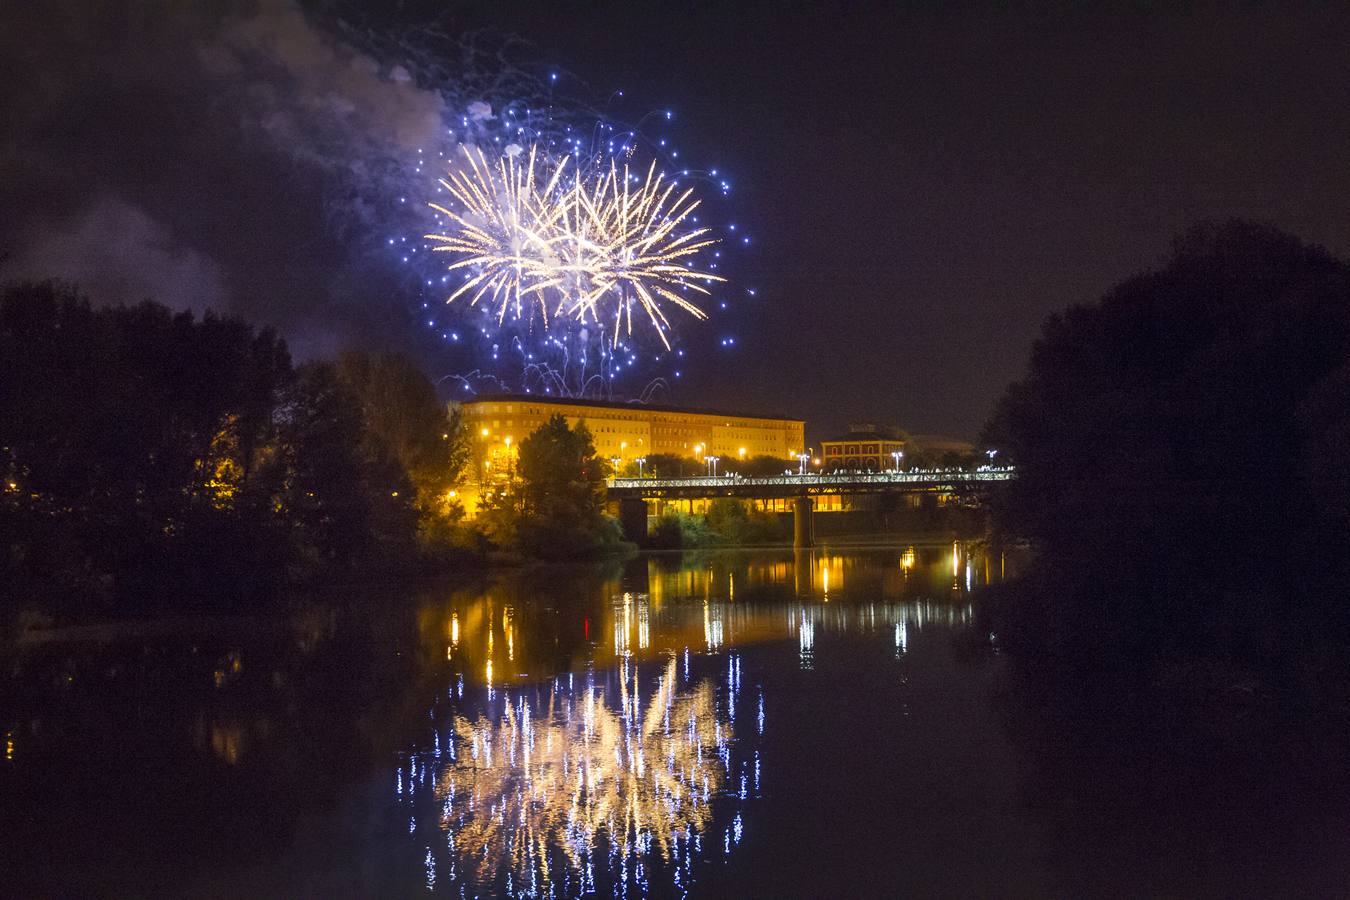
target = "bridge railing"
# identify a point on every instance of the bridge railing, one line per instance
(819, 480)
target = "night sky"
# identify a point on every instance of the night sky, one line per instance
(924, 185)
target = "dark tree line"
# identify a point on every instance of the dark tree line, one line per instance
(147, 453)
(1182, 448)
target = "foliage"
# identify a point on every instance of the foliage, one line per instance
(762, 466)
(406, 422)
(727, 522)
(668, 465)
(1178, 442)
(343, 495)
(553, 504)
(127, 434)
(147, 453)
(732, 522)
(675, 530)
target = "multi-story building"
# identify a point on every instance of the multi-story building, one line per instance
(870, 448)
(628, 431)
(865, 447)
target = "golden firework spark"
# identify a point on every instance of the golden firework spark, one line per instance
(641, 778)
(590, 246)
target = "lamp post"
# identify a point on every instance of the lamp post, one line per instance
(483, 462)
(641, 461)
(991, 454)
(897, 455)
(712, 465)
(614, 461)
(802, 458)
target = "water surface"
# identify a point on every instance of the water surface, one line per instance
(737, 723)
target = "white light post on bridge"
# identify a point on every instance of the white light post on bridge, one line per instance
(802, 458)
(712, 464)
(641, 461)
(897, 455)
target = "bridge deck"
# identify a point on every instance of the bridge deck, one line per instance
(913, 481)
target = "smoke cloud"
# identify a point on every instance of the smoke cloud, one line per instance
(239, 160)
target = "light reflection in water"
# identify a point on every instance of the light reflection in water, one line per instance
(608, 775)
(502, 636)
(558, 792)
(806, 640)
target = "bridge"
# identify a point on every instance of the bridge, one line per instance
(632, 494)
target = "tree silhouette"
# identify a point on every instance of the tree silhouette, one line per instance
(1166, 437)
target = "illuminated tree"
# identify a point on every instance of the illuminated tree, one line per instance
(553, 504)
(405, 420)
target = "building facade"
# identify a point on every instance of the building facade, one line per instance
(627, 431)
(866, 447)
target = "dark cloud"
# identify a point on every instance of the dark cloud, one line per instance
(236, 159)
(115, 250)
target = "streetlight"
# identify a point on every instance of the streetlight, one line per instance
(641, 461)
(991, 454)
(614, 461)
(802, 458)
(712, 464)
(897, 455)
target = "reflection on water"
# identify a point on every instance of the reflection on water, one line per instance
(553, 733)
(625, 769)
(605, 779)
(762, 723)
(655, 608)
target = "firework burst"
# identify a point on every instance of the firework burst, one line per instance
(576, 246)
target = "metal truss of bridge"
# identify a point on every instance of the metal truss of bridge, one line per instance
(633, 493)
(911, 481)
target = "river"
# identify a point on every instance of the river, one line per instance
(834, 723)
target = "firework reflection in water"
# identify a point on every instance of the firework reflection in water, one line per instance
(587, 783)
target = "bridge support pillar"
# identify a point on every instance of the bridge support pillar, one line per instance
(802, 532)
(633, 519)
